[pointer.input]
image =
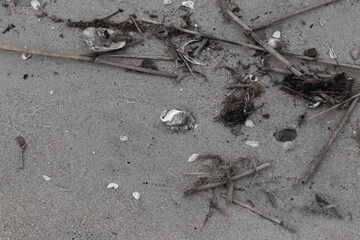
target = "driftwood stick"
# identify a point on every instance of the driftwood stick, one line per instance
(320, 157)
(233, 178)
(136, 68)
(329, 62)
(87, 59)
(205, 35)
(335, 106)
(164, 58)
(267, 24)
(272, 51)
(262, 214)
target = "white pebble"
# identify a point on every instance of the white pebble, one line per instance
(277, 35)
(136, 195)
(51, 92)
(46, 178)
(290, 145)
(124, 138)
(167, 2)
(189, 4)
(35, 4)
(25, 56)
(249, 123)
(252, 143)
(193, 157)
(113, 185)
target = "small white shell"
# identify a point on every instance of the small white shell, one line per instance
(193, 157)
(136, 195)
(51, 93)
(124, 138)
(46, 178)
(189, 4)
(25, 56)
(253, 78)
(35, 4)
(332, 53)
(252, 143)
(94, 43)
(290, 145)
(249, 123)
(274, 43)
(178, 120)
(113, 185)
(167, 2)
(277, 35)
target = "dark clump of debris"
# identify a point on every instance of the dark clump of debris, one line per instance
(332, 90)
(238, 109)
(287, 134)
(322, 207)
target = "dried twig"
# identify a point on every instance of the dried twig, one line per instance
(320, 157)
(230, 193)
(137, 26)
(164, 58)
(267, 24)
(250, 32)
(287, 72)
(238, 86)
(201, 45)
(88, 59)
(264, 215)
(335, 106)
(231, 179)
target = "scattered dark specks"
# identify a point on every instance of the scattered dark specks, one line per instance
(287, 134)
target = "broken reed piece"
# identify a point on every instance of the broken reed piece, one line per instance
(20, 141)
(335, 106)
(287, 72)
(88, 59)
(262, 214)
(320, 157)
(231, 179)
(267, 24)
(271, 50)
(334, 63)
(164, 58)
(238, 86)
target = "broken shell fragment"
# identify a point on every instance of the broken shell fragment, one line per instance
(252, 143)
(136, 195)
(25, 56)
(275, 43)
(253, 78)
(355, 53)
(113, 185)
(100, 40)
(178, 120)
(35, 4)
(193, 157)
(249, 123)
(167, 2)
(312, 104)
(46, 178)
(289, 145)
(277, 35)
(124, 138)
(188, 4)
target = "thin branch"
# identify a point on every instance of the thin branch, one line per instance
(136, 25)
(238, 86)
(262, 214)
(271, 50)
(136, 68)
(335, 106)
(164, 58)
(320, 157)
(216, 184)
(287, 72)
(267, 24)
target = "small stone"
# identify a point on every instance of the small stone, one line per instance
(113, 185)
(275, 43)
(46, 178)
(188, 4)
(285, 135)
(167, 2)
(193, 157)
(25, 56)
(289, 145)
(355, 53)
(322, 22)
(35, 4)
(277, 35)
(311, 52)
(136, 195)
(249, 123)
(252, 143)
(51, 92)
(124, 138)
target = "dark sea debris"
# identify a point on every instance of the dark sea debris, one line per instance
(321, 206)
(237, 109)
(331, 90)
